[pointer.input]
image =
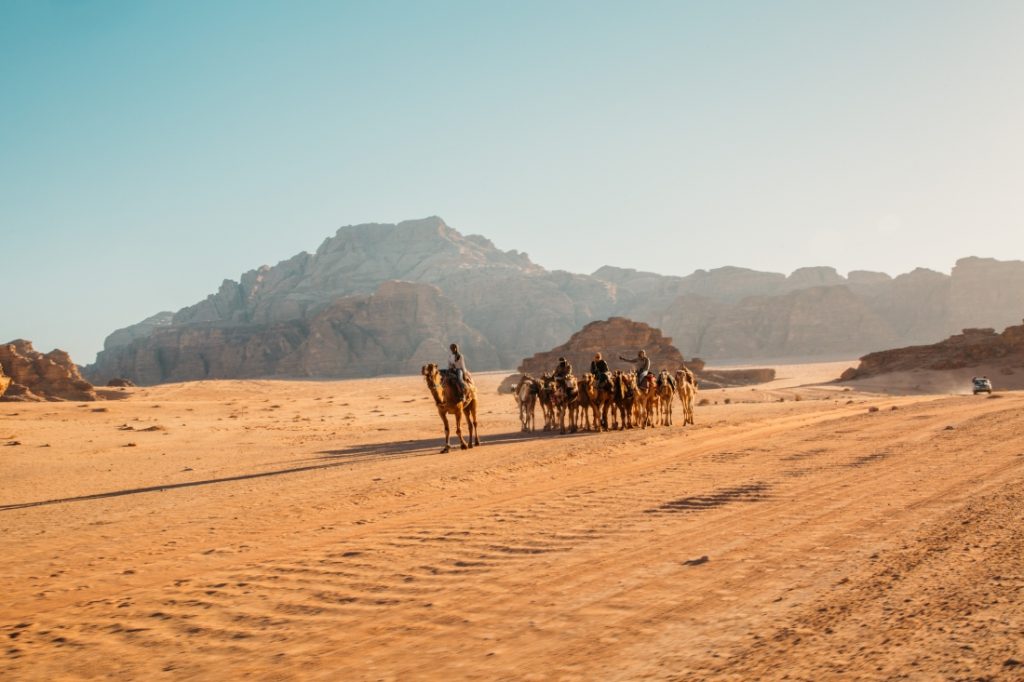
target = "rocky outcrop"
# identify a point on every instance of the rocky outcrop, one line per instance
(619, 336)
(5, 381)
(971, 348)
(724, 378)
(41, 376)
(396, 329)
(612, 338)
(120, 382)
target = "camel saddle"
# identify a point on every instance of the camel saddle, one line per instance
(448, 377)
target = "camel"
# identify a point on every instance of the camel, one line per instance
(526, 392)
(604, 402)
(647, 401)
(665, 397)
(544, 395)
(445, 393)
(624, 395)
(565, 400)
(588, 403)
(686, 385)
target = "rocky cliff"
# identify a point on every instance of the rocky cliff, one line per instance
(295, 318)
(396, 329)
(26, 374)
(971, 348)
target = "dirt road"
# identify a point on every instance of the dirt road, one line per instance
(265, 530)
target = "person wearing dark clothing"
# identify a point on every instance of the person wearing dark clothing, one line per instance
(562, 373)
(599, 368)
(643, 365)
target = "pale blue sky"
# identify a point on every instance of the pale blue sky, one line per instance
(149, 150)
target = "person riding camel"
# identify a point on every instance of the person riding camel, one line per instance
(562, 373)
(599, 368)
(457, 368)
(643, 365)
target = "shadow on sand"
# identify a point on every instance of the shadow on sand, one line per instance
(368, 452)
(432, 445)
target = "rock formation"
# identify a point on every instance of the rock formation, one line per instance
(612, 338)
(32, 375)
(271, 322)
(619, 336)
(971, 348)
(396, 329)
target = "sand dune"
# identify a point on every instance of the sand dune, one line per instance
(311, 530)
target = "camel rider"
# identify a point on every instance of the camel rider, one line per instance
(665, 377)
(643, 365)
(457, 368)
(599, 368)
(563, 372)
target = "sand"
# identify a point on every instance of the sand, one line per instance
(311, 530)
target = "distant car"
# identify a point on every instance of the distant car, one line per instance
(982, 385)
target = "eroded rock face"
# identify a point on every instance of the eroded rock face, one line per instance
(612, 338)
(39, 376)
(396, 329)
(985, 292)
(971, 348)
(619, 336)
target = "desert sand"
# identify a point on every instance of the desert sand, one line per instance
(311, 530)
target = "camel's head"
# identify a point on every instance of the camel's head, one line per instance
(431, 372)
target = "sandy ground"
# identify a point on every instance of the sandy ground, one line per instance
(310, 530)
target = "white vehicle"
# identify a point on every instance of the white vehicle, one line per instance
(982, 385)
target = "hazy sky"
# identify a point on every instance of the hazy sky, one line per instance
(149, 150)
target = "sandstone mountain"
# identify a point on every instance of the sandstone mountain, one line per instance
(28, 375)
(326, 313)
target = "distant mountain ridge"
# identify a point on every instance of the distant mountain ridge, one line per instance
(333, 313)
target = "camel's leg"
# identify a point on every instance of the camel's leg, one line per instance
(475, 434)
(447, 432)
(458, 428)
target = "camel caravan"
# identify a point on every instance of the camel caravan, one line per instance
(603, 399)
(599, 400)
